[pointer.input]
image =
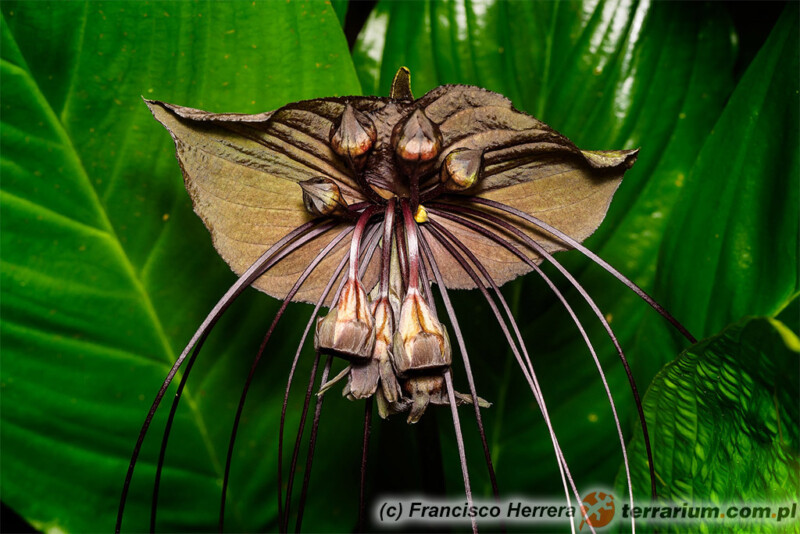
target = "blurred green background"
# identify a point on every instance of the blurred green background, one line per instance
(106, 272)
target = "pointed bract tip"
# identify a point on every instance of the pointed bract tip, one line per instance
(608, 159)
(401, 85)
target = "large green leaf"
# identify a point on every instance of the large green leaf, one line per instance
(732, 241)
(609, 76)
(105, 270)
(731, 246)
(723, 420)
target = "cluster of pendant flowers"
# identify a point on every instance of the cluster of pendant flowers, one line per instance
(392, 337)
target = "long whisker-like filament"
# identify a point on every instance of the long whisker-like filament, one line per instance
(366, 258)
(572, 314)
(585, 295)
(165, 439)
(284, 521)
(337, 272)
(310, 458)
(364, 451)
(467, 367)
(526, 370)
(462, 456)
(594, 257)
(275, 253)
(303, 277)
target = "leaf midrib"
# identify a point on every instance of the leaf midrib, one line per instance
(124, 259)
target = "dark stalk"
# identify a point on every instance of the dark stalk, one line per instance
(414, 191)
(300, 281)
(402, 252)
(413, 248)
(416, 266)
(306, 232)
(426, 283)
(356, 242)
(386, 251)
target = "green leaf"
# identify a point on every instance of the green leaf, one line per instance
(732, 241)
(340, 8)
(609, 76)
(105, 270)
(723, 422)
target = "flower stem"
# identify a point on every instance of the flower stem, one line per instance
(386, 256)
(356, 242)
(413, 247)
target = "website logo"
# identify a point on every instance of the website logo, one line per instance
(597, 509)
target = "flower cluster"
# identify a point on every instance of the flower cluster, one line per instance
(392, 336)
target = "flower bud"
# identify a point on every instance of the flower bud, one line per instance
(381, 353)
(387, 408)
(348, 329)
(417, 142)
(461, 168)
(362, 381)
(420, 342)
(322, 197)
(423, 389)
(354, 136)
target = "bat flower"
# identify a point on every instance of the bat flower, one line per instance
(362, 205)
